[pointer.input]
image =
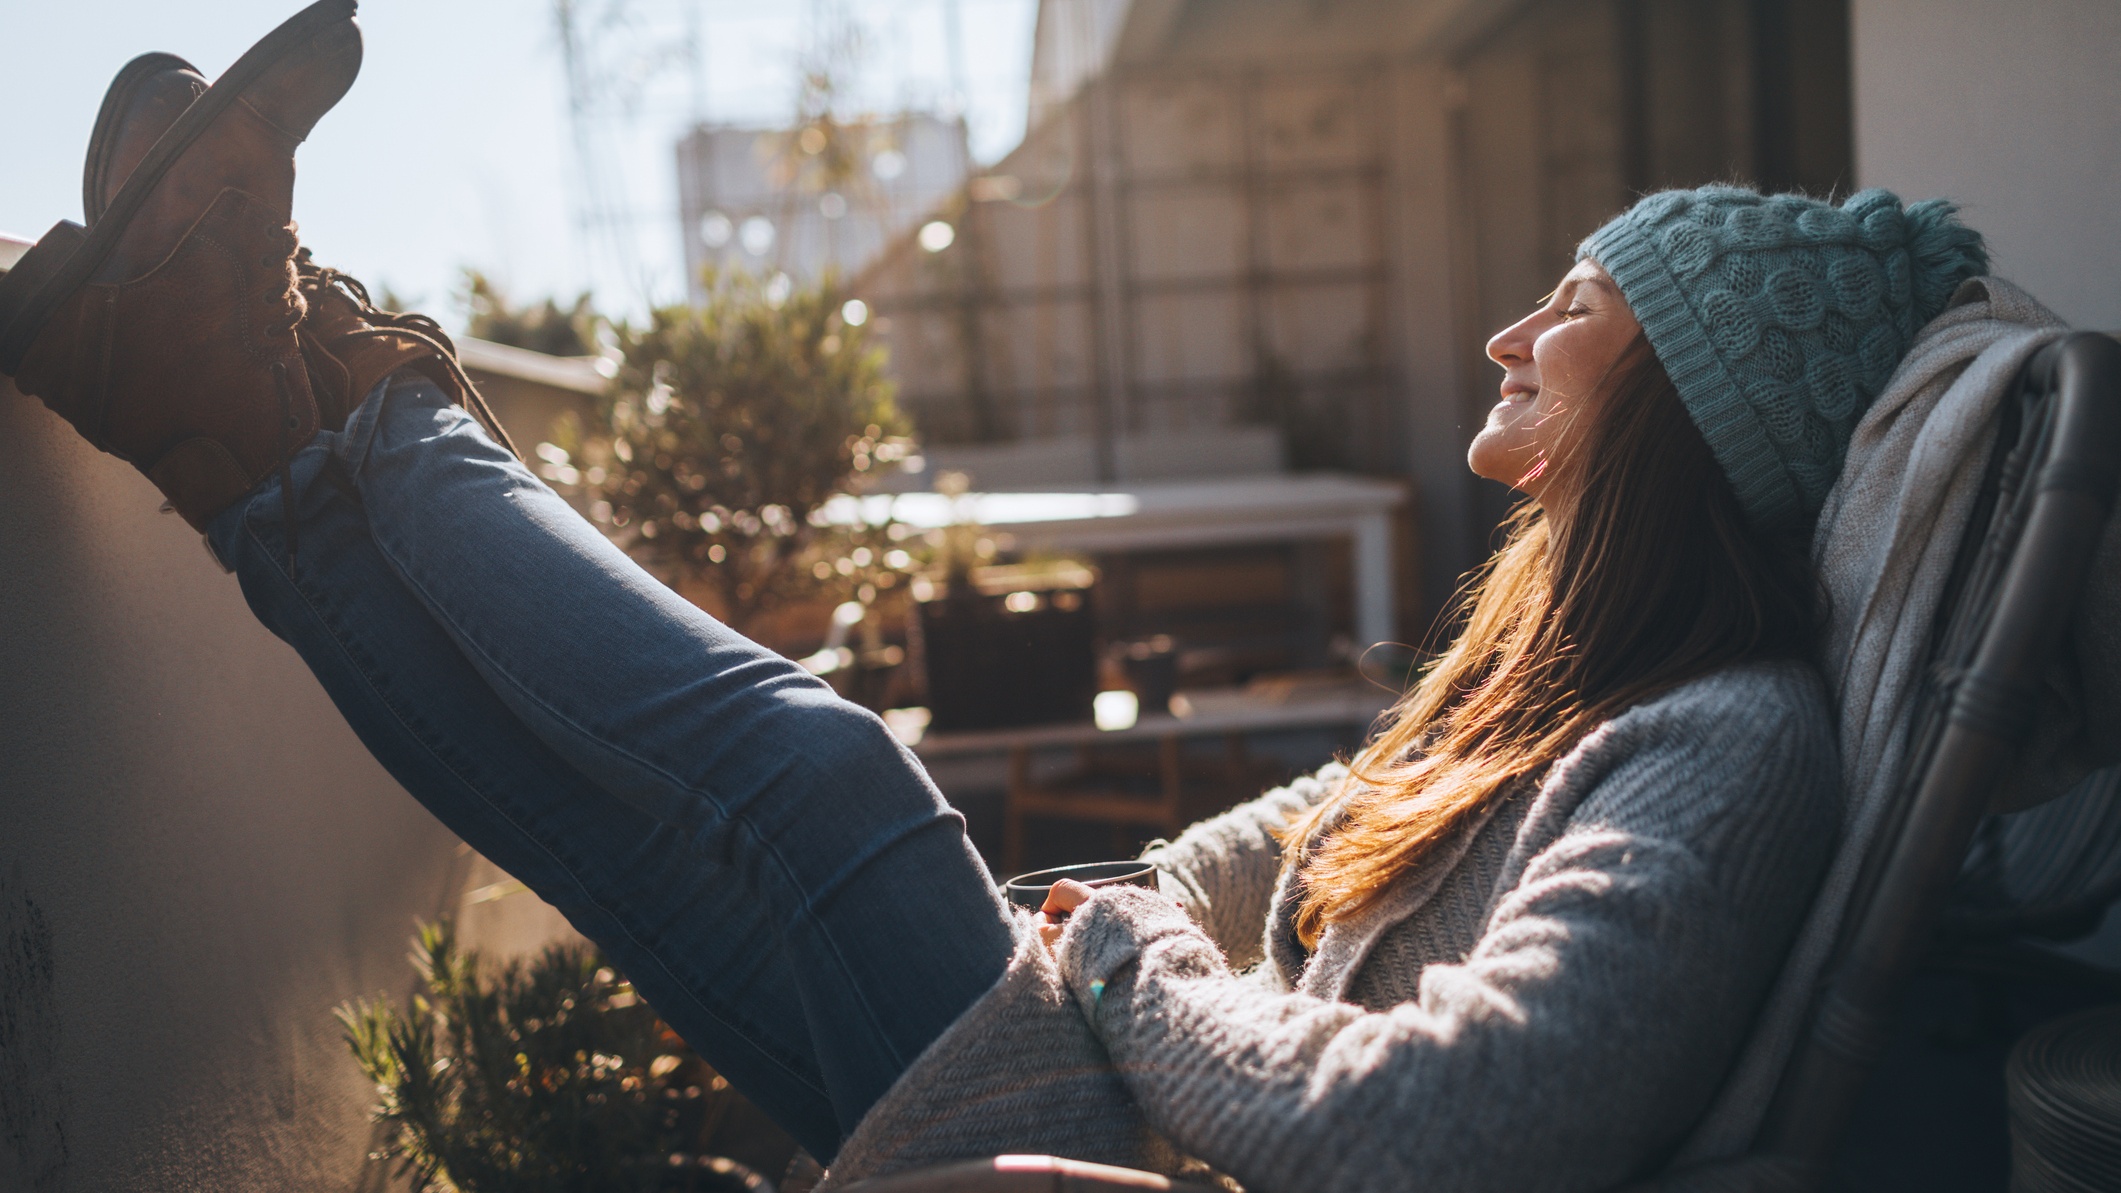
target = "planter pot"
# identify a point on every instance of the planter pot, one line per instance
(1004, 660)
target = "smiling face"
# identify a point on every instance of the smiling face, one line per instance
(1554, 362)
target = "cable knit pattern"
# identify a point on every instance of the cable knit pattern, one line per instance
(1780, 317)
(1452, 923)
(1641, 911)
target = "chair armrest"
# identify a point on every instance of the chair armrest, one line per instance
(1025, 1174)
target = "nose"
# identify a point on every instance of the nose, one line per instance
(1513, 344)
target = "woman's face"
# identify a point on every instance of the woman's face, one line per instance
(1553, 361)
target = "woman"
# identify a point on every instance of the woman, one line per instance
(1516, 944)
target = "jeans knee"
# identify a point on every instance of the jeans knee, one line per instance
(843, 737)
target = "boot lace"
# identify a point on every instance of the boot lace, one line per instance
(291, 307)
(412, 326)
(290, 303)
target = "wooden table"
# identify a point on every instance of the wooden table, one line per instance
(1108, 791)
(1166, 515)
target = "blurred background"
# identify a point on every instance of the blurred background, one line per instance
(1082, 384)
(529, 140)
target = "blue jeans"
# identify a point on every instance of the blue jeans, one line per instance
(772, 869)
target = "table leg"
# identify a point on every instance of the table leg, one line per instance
(1169, 764)
(1373, 581)
(1013, 809)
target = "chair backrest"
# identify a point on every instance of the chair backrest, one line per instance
(2013, 591)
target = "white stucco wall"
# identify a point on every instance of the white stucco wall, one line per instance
(198, 861)
(2012, 108)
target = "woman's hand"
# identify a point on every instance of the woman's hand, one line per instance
(1064, 897)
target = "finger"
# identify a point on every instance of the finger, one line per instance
(1050, 934)
(1066, 895)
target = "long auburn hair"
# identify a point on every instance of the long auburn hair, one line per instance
(1637, 572)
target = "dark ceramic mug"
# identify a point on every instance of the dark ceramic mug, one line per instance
(1029, 890)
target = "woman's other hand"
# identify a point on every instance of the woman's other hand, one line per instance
(1064, 897)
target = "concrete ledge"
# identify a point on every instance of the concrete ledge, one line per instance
(11, 250)
(579, 374)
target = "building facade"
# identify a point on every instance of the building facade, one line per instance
(822, 197)
(1235, 216)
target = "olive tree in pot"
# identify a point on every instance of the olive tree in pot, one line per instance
(728, 432)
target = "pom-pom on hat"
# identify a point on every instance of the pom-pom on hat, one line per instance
(1779, 318)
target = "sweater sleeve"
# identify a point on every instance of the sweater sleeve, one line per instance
(1224, 868)
(1577, 1042)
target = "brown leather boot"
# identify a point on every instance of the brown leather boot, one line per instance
(165, 333)
(348, 343)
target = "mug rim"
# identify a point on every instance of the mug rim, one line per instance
(1122, 871)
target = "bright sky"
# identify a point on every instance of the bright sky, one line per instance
(454, 147)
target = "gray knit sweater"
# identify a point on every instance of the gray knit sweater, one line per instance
(1549, 1003)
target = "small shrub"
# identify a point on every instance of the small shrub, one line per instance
(545, 327)
(727, 430)
(551, 1077)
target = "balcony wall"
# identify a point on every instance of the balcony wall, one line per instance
(198, 861)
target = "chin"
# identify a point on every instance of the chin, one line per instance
(1488, 459)
(1500, 476)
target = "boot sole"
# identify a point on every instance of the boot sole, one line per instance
(19, 326)
(96, 176)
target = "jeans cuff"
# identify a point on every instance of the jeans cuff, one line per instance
(360, 431)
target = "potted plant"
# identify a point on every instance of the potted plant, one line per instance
(550, 1076)
(732, 433)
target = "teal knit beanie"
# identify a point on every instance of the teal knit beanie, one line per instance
(1779, 318)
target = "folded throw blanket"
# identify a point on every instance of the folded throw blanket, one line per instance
(1884, 546)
